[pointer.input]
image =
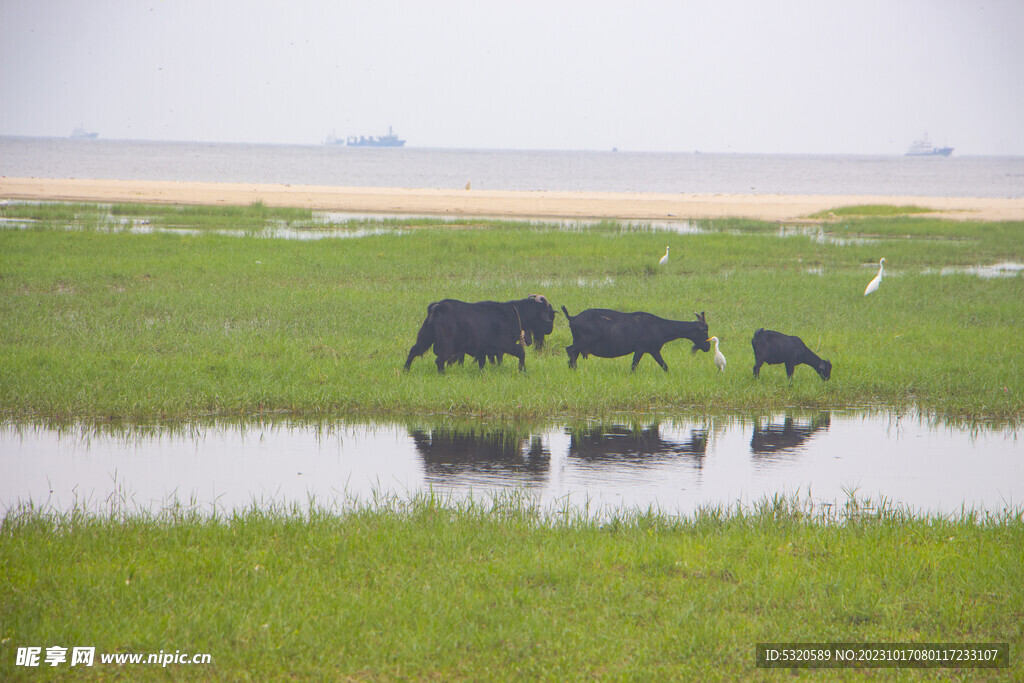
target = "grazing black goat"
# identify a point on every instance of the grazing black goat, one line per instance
(482, 329)
(774, 347)
(610, 334)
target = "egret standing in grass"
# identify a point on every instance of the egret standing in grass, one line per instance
(719, 358)
(873, 285)
(664, 259)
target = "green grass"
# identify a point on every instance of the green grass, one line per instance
(498, 590)
(101, 323)
(872, 210)
(163, 214)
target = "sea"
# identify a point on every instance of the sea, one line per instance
(529, 170)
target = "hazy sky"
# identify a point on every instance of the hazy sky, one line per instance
(814, 76)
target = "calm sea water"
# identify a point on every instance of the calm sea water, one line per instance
(609, 171)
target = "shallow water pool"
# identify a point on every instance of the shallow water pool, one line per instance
(676, 465)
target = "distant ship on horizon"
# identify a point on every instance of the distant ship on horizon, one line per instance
(389, 140)
(81, 133)
(924, 148)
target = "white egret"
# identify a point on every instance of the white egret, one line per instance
(664, 259)
(873, 285)
(719, 358)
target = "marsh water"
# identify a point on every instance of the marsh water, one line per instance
(677, 465)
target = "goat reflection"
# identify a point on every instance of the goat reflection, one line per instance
(618, 443)
(788, 436)
(452, 452)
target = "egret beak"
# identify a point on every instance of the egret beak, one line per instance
(709, 339)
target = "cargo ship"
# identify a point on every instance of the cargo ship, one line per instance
(82, 134)
(389, 140)
(924, 148)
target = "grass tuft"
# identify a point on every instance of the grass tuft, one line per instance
(872, 210)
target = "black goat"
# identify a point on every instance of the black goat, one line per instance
(610, 334)
(482, 329)
(774, 347)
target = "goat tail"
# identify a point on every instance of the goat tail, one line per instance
(566, 311)
(753, 340)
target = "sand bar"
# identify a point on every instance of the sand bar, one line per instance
(492, 203)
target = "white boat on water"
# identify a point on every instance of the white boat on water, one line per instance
(82, 134)
(924, 148)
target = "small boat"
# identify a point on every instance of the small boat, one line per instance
(924, 148)
(82, 134)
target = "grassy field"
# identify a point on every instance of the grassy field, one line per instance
(196, 313)
(102, 322)
(495, 590)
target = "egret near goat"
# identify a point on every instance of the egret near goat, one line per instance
(873, 285)
(664, 259)
(719, 358)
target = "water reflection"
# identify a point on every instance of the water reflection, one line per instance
(677, 464)
(790, 435)
(497, 454)
(643, 444)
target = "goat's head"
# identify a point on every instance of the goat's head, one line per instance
(700, 340)
(545, 313)
(537, 317)
(824, 369)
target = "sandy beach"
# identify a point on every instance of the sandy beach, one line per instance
(487, 203)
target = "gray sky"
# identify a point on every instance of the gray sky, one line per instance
(814, 76)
